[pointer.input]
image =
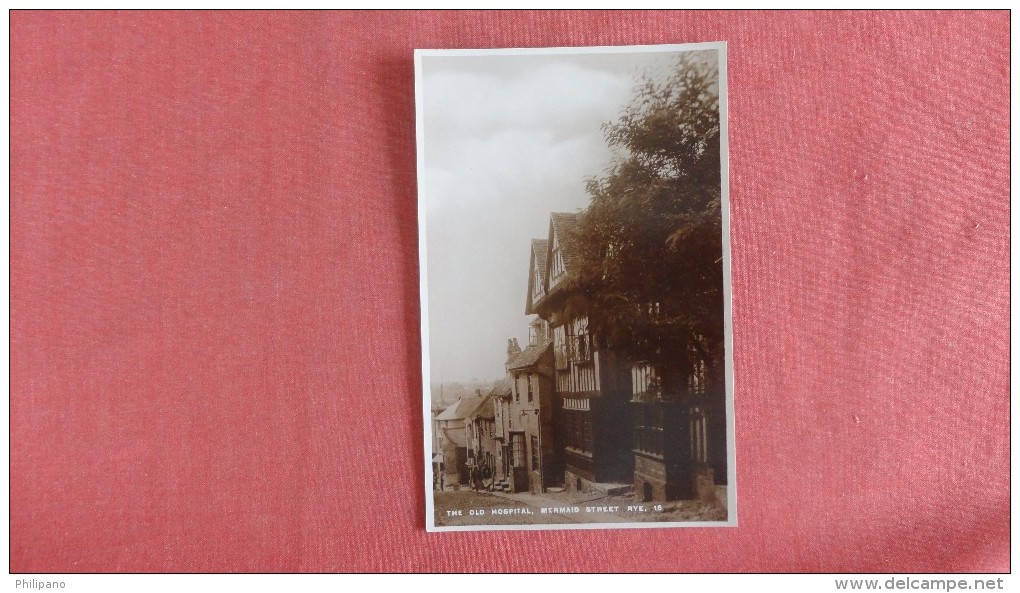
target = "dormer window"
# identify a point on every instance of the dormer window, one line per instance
(558, 268)
(538, 290)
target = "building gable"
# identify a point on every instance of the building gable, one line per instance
(562, 255)
(536, 274)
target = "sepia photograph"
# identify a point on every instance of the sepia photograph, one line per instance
(575, 292)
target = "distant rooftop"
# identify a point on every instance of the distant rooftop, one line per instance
(530, 355)
(463, 408)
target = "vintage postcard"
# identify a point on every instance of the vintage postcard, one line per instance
(575, 293)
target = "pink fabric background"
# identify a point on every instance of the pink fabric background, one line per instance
(214, 293)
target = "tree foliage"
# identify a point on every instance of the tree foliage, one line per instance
(650, 244)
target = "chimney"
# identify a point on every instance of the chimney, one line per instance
(512, 349)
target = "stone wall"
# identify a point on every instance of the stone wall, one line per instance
(649, 479)
(571, 481)
(704, 485)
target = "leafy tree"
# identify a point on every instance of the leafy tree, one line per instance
(649, 274)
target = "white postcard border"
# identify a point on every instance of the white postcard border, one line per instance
(427, 485)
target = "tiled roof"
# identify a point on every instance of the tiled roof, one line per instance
(502, 387)
(486, 410)
(539, 255)
(530, 355)
(450, 413)
(539, 249)
(470, 406)
(463, 408)
(563, 225)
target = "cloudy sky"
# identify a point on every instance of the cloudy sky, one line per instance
(506, 140)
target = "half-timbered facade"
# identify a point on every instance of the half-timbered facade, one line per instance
(615, 423)
(591, 386)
